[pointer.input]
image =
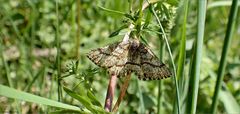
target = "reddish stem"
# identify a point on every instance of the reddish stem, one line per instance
(122, 93)
(110, 92)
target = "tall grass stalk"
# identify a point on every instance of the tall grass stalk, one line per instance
(226, 46)
(182, 55)
(30, 58)
(7, 71)
(138, 27)
(170, 53)
(78, 29)
(58, 60)
(160, 82)
(5, 65)
(196, 60)
(142, 106)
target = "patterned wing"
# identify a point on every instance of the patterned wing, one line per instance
(113, 57)
(151, 67)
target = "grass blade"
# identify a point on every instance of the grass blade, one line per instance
(170, 54)
(220, 3)
(196, 60)
(227, 41)
(160, 82)
(85, 101)
(15, 94)
(39, 74)
(77, 43)
(229, 102)
(58, 60)
(182, 55)
(142, 106)
(5, 65)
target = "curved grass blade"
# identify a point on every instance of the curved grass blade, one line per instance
(170, 54)
(68, 112)
(20, 95)
(93, 99)
(85, 101)
(230, 103)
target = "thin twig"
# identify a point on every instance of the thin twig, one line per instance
(122, 93)
(110, 92)
(113, 78)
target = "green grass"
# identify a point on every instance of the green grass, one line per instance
(226, 46)
(58, 59)
(12, 93)
(44, 44)
(197, 58)
(171, 57)
(182, 56)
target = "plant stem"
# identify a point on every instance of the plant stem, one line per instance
(78, 29)
(110, 92)
(196, 60)
(122, 93)
(170, 54)
(58, 60)
(160, 82)
(142, 105)
(113, 11)
(159, 100)
(5, 65)
(182, 56)
(226, 46)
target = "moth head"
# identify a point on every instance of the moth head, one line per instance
(134, 44)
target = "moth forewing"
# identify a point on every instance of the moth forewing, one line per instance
(131, 56)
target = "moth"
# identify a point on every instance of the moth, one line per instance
(130, 56)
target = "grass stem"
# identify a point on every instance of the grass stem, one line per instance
(58, 59)
(78, 28)
(226, 47)
(170, 53)
(110, 92)
(196, 60)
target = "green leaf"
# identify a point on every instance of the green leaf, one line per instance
(229, 102)
(182, 55)
(112, 11)
(69, 111)
(20, 95)
(148, 19)
(148, 101)
(85, 101)
(93, 99)
(144, 40)
(130, 17)
(115, 33)
(40, 73)
(173, 2)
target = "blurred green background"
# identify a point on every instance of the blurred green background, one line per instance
(30, 31)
